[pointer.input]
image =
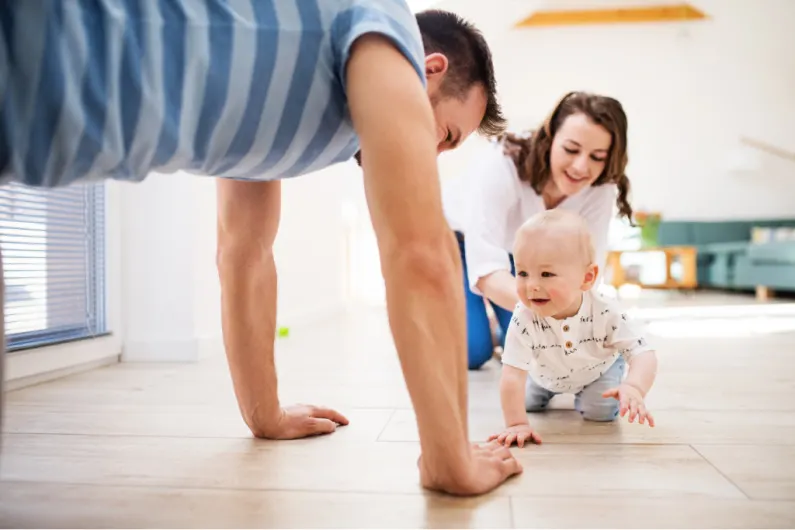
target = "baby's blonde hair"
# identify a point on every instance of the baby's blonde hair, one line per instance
(563, 223)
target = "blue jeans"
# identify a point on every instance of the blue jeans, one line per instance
(479, 344)
(589, 401)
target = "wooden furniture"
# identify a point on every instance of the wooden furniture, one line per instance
(675, 267)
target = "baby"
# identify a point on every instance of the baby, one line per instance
(564, 338)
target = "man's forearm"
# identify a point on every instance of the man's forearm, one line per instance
(642, 371)
(500, 288)
(248, 316)
(426, 314)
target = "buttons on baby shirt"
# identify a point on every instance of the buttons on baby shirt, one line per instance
(568, 344)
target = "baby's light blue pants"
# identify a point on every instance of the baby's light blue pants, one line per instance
(589, 401)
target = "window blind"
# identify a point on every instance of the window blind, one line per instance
(53, 244)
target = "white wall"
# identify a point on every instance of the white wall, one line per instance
(171, 293)
(690, 91)
(310, 247)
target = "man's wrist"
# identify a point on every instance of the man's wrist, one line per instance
(265, 418)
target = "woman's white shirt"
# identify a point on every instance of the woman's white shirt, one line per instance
(489, 203)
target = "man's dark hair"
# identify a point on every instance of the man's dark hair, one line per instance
(469, 61)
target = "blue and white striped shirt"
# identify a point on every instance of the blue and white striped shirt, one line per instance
(247, 89)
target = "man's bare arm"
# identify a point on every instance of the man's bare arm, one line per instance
(420, 264)
(248, 220)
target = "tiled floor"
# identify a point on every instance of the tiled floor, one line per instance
(163, 446)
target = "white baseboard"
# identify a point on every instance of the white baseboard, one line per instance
(50, 362)
(44, 377)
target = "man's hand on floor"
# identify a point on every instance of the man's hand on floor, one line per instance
(301, 421)
(488, 466)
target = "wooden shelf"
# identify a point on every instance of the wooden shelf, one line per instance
(628, 15)
(686, 256)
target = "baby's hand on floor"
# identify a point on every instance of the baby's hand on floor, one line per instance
(630, 400)
(517, 433)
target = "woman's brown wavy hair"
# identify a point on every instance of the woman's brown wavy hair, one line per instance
(530, 153)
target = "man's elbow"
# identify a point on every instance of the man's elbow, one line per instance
(240, 253)
(427, 262)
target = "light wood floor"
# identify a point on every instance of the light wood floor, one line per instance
(163, 445)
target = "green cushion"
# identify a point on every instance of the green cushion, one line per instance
(782, 252)
(777, 277)
(709, 232)
(730, 247)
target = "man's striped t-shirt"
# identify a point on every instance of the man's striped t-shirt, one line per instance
(246, 89)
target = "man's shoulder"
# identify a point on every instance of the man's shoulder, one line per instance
(392, 19)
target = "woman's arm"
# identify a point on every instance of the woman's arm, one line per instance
(487, 229)
(500, 288)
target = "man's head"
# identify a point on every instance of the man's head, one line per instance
(460, 75)
(461, 83)
(554, 258)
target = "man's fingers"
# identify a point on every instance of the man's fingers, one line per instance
(502, 452)
(511, 466)
(505, 454)
(329, 414)
(321, 426)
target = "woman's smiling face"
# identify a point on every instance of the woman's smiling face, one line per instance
(579, 154)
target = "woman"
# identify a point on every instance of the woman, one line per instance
(576, 161)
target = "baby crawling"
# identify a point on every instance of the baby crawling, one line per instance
(565, 338)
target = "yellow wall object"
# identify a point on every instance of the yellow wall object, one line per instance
(624, 15)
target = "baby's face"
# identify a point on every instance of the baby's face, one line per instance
(551, 273)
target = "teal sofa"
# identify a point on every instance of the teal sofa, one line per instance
(727, 257)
